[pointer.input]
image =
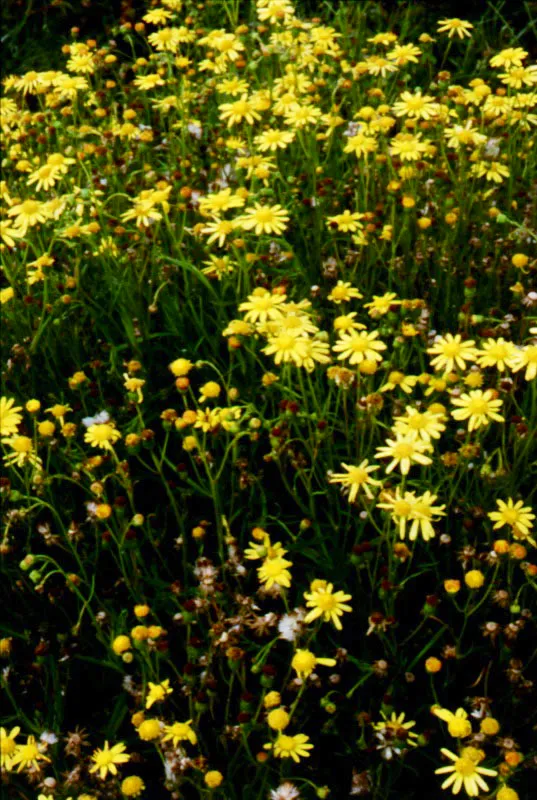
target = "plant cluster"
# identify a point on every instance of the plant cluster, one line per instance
(269, 409)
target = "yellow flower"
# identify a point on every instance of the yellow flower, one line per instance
(404, 451)
(295, 747)
(416, 424)
(278, 719)
(27, 214)
(357, 346)
(10, 418)
(272, 139)
(381, 304)
(132, 786)
(489, 726)
(408, 146)
(304, 662)
(356, 478)
(103, 435)
(157, 692)
(22, 452)
(239, 110)
(8, 747)
(27, 755)
(455, 26)
(264, 219)
(149, 729)
(478, 407)
(474, 579)
(121, 644)
(518, 516)
(459, 726)
(326, 603)
(345, 222)
(420, 510)
(343, 292)
(105, 759)
(209, 390)
(464, 772)
(275, 571)
(180, 367)
(451, 351)
(179, 732)
(213, 778)
(526, 358)
(262, 305)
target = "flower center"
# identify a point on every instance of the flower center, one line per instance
(465, 767)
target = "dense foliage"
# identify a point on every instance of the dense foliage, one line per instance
(269, 407)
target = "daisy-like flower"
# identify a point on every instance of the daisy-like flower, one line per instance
(455, 27)
(459, 726)
(419, 424)
(356, 478)
(346, 322)
(8, 233)
(415, 106)
(509, 57)
(166, 39)
(262, 305)
(398, 379)
(518, 516)
(22, 452)
(106, 759)
(298, 116)
(517, 77)
(220, 201)
(451, 351)
(149, 81)
(275, 570)
(403, 54)
(422, 514)
(343, 292)
(465, 772)
(179, 732)
(8, 747)
(361, 145)
(478, 407)
(408, 146)
(304, 662)
(27, 214)
(157, 692)
(103, 435)
(526, 358)
(239, 110)
(10, 418)
(264, 219)
(404, 451)
(274, 139)
(357, 346)
(396, 725)
(326, 603)
(381, 304)
(463, 135)
(27, 755)
(287, 346)
(346, 221)
(218, 231)
(496, 353)
(295, 747)
(491, 170)
(315, 352)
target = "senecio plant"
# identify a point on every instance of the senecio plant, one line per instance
(269, 409)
